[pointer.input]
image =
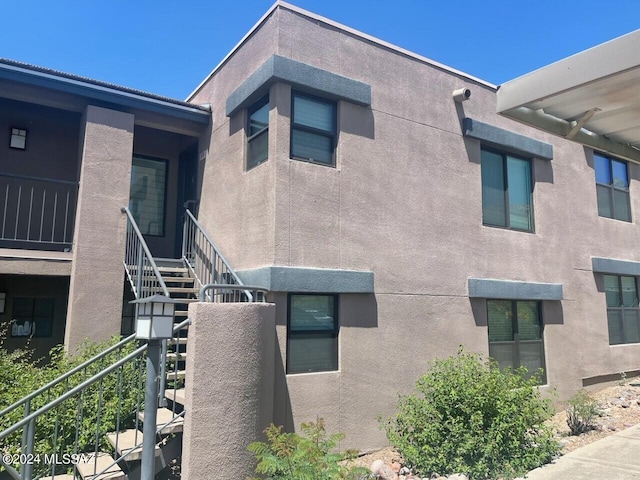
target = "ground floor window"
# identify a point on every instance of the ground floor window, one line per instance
(312, 333)
(622, 309)
(515, 334)
(32, 317)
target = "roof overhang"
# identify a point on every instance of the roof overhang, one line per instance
(47, 87)
(592, 97)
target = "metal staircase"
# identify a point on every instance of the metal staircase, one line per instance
(103, 439)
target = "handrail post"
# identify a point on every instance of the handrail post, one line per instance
(140, 270)
(31, 432)
(25, 437)
(162, 401)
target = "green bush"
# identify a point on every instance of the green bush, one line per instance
(289, 456)
(76, 423)
(470, 417)
(581, 413)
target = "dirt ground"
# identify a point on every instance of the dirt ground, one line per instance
(619, 409)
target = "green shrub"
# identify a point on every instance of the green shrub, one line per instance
(289, 456)
(581, 413)
(470, 417)
(77, 422)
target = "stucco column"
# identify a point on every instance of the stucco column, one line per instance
(95, 293)
(229, 387)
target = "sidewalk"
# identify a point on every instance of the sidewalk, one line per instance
(615, 457)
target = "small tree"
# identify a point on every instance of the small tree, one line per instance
(289, 456)
(468, 416)
(581, 413)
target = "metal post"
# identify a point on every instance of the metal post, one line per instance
(162, 401)
(150, 410)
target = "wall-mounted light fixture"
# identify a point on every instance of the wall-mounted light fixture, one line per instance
(3, 298)
(18, 138)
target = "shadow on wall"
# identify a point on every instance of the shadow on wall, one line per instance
(282, 414)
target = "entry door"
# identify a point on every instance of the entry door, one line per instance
(187, 191)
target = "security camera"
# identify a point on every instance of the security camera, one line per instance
(461, 94)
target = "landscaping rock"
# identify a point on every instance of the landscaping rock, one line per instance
(376, 466)
(386, 473)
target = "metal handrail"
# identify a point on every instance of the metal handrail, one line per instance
(37, 210)
(28, 422)
(203, 259)
(250, 291)
(71, 372)
(141, 256)
(39, 179)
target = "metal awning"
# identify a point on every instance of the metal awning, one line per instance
(592, 97)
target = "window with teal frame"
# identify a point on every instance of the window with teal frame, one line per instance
(622, 309)
(515, 334)
(312, 333)
(507, 189)
(313, 129)
(258, 133)
(612, 187)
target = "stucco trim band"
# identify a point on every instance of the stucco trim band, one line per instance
(500, 137)
(510, 290)
(299, 75)
(316, 280)
(617, 267)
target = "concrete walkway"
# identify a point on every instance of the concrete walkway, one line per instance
(616, 457)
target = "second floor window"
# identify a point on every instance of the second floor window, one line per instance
(258, 133)
(506, 191)
(313, 129)
(612, 188)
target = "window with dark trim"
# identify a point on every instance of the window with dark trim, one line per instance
(507, 188)
(622, 309)
(312, 333)
(515, 334)
(32, 316)
(313, 129)
(258, 133)
(612, 187)
(147, 195)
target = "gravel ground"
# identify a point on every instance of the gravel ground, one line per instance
(618, 404)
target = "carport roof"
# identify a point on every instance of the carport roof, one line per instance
(592, 97)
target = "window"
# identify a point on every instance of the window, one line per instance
(32, 317)
(515, 334)
(313, 129)
(622, 309)
(312, 333)
(146, 201)
(506, 191)
(258, 133)
(612, 188)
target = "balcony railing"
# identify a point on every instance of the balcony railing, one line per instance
(37, 213)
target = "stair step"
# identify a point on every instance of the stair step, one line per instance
(177, 396)
(182, 313)
(177, 356)
(97, 464)
(164, 417)
(173, 375)
(127, 441)
(166, 269)
(177, 341)
(178, 279)
(62, 476)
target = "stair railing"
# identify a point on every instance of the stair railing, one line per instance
(206, 263)
(142, 271)
(58, 427)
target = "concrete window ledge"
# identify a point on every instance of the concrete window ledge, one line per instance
(512, 290)
(308, 280)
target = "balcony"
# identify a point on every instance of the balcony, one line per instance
(37, 213)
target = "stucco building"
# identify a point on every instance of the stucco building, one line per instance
(389, 221)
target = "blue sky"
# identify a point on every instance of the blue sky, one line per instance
(168, 47)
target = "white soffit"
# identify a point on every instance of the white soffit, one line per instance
(592, 97)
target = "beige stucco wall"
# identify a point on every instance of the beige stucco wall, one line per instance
(405, 202)
(229, 387)
(95, 295)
